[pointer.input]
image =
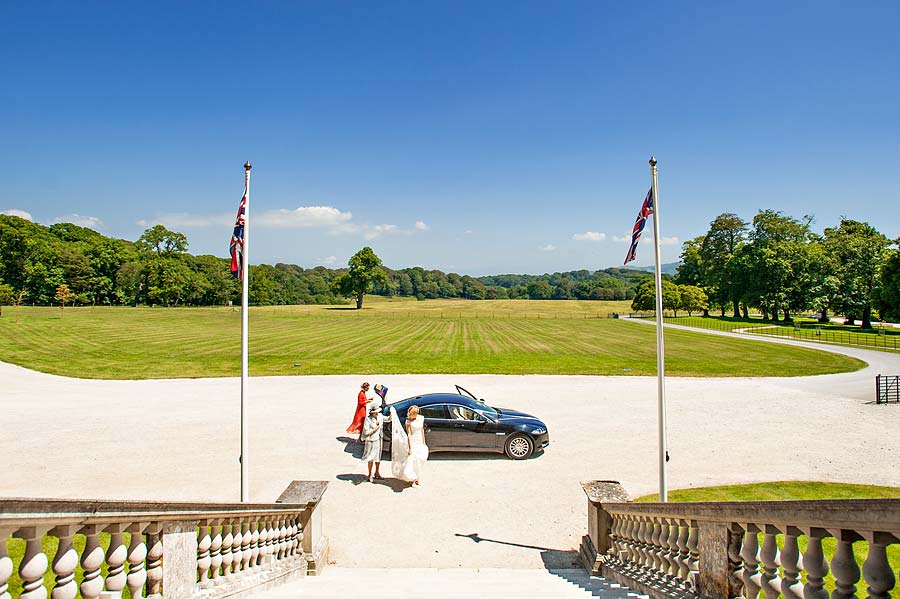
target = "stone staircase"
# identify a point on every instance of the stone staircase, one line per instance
(455, 583)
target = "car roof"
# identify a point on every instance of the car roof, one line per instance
(439, 398)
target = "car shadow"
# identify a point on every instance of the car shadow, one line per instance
(466, 456)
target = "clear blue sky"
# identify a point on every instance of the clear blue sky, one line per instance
(475, 137)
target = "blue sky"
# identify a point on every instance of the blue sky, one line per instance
(475, 137)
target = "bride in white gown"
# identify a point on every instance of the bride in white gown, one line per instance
(408, 450)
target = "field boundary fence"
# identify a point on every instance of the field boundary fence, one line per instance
(887, 389)
(813, 332)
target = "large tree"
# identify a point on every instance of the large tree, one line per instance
(886, 297)
(365, 269)
(719, 276)
(859, 252)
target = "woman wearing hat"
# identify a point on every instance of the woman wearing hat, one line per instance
(360, 414)
(372, 432)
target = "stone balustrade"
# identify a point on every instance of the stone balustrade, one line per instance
(173, 550)
(741, 549)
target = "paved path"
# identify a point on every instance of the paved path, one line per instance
(178, 440)
(411, 583)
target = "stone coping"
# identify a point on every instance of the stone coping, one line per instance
(856, 514)
(20, 511)
(307, 492)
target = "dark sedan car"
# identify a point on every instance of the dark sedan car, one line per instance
(461, 422)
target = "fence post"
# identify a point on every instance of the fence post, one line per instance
(877, 388)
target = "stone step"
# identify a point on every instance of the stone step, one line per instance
(435, 583)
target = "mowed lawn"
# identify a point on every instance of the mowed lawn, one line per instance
(390, 337)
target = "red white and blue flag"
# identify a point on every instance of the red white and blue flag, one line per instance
(646, 210)
(237, 240)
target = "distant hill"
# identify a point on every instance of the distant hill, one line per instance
(668, 268)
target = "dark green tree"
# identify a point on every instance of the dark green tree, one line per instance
(365, 269)
(859, 251)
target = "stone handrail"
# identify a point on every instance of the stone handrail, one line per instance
(713, 549)
(176, 550)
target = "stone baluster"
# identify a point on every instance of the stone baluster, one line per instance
(91, 561)
(684, 554)
(116, 555)
(645, 547)
(626, 541)
(227, 543)
(137, 554)
(154, 560)
(293, 537)
(876, 569)
(64, 563)
(245, 545)
(6, 563)
(278, 540)
(615, 536)
(283, 537)
(658, 537)
(635, 535)
(34, 562)
(215, 550)
(843, 565)
(815, 565)
(271, 539)
(693, 546)
(639, 545)
(263, 541)
(649, 549)
(236, 542)
(254, 544)
(298, 536)
(789, 560)
(768, 556)
(204, 560)
(673, 556)
(750, 571)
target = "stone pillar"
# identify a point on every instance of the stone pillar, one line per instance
(179, 564)
(718, 545)
(597, 542)
(311, 531)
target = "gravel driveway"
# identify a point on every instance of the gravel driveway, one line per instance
(178, 440)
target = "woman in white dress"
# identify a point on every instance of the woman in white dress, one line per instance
(408, 449)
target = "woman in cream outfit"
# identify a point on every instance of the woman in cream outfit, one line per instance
(408, 449)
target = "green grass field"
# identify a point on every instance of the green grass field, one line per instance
(799, 490)
(387, 336)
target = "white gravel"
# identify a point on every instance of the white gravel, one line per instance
(178, 440)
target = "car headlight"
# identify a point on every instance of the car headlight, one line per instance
(539, 431)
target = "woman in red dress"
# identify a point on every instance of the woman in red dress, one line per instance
(360, 414)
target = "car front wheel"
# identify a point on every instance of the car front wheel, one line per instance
(519, 447)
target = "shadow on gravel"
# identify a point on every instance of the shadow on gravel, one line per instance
(397, 486)
(356, 479)
(352, 446)
(552, 558)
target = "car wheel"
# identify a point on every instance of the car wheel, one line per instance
(519, 447)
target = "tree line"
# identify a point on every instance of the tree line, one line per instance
(778, 266)
(66, 264)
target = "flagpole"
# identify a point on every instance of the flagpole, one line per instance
(660, 348)
(245, 268)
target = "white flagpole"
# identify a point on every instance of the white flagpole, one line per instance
(660, 348)
(245, 269)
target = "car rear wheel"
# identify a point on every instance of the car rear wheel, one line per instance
(519, 447)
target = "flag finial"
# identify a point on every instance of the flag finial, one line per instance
(652, 161)
(248, 166)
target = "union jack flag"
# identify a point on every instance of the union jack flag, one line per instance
(646, 210)
(237, 240)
